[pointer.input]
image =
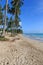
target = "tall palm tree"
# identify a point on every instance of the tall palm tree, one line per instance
(5, 8)
(1, 14)
(15, 9)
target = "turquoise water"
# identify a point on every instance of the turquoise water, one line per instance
(36, 36)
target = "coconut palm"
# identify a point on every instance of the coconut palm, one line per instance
(5, 9)
(1, 17)
(1, 14)
(15, 9)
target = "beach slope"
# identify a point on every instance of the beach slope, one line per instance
(21, 51)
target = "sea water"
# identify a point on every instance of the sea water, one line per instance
(36, 36)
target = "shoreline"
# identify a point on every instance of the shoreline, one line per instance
(34, 38)
(35, 43)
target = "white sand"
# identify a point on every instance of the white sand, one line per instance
(21, 52)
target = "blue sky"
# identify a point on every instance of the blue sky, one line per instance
(31, 16)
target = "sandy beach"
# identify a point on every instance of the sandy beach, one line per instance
(21, 51)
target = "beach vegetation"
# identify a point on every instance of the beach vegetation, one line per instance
(10, 24)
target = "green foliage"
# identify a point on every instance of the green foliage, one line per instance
(18, 31)
(3, 38)
(15, 10)
(10, 23)
(1, 14)
(13, 26)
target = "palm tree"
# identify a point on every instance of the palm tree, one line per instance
(15, 9)
(1, 16)
(10, 25)
(5, 8)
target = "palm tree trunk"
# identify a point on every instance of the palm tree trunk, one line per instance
(15, 14)
(4, 30)
(4, 24)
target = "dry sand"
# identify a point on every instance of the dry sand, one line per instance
(23, 51)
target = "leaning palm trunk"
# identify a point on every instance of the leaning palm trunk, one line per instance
(16, 13)
(4, 30)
